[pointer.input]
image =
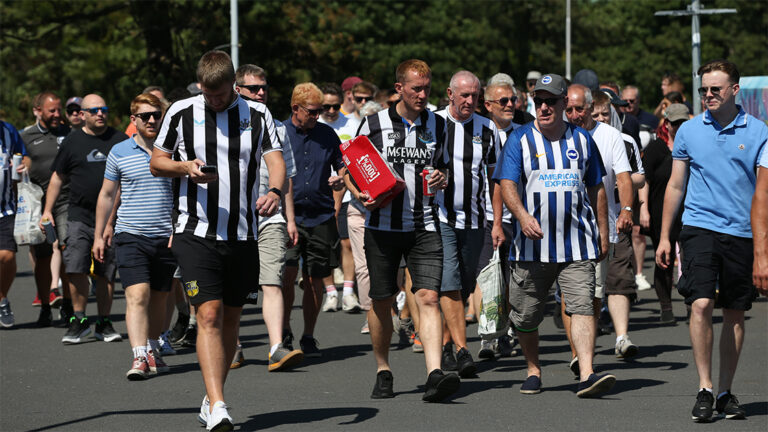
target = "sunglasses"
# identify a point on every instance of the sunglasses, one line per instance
(95, 110)
(72, 111)
(327, 107)
(505, 101)
(145, 116)
(630, 101)
(549, 101)
(313, 112)
(578, 109)
(255, 88)
(677, 123)
(715, 90)
(363, 99)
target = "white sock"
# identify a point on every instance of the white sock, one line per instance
(274, 348)
(330, 290)
(349, 287)
(707, 389)
(153, 345)
(139, 351)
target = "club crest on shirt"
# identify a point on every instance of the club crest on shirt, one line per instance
(572, 154)
(426, 136)
(477, 139)
(191, 288)
(245, 125)
(96, 156)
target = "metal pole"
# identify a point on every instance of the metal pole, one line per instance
(568, 39)
(233, 33)
(696, 55)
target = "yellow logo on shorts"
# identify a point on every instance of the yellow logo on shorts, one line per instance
(192, 288)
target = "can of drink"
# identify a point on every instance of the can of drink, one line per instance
(426, 175)
(16, 162)
(50, 231)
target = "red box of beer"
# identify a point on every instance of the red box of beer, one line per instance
(370, 170)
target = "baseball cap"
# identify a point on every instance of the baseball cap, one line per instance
(350, 82)
(552, 83)
(587, 78)
(533, 75)
(74, 100)
(615, 99)
(676, 111)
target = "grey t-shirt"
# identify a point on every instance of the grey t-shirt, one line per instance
(43, 146)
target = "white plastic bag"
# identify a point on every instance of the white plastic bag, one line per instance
(492, 322)
(28, 213)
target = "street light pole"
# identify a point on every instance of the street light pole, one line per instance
(233, 33)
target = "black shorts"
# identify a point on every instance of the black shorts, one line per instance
(343, 227)
(423, 253)
(142, 259)
(716, 266)
(7, 241)
(318, 246)
(217, 270)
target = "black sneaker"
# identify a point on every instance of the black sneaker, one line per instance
(288, 341)
(595, 385)
(308, 344)
(179, 329)
(65, 313)
(45, 319)
(464, 363)
(439, 386)
(383, 387)
(252, 297)
(190, 337)
(448, 362)
(729, 406)
(104, 331)
(702, 410)
(77, 331)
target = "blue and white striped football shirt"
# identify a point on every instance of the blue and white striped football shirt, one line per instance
(145, 200)
(552, 179)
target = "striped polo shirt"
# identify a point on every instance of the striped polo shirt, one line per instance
(145, 200)
(470, 146)
(552, 179)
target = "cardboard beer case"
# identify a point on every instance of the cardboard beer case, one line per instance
(370, 170)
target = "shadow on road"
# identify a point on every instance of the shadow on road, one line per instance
(122, 412)
(280, 418)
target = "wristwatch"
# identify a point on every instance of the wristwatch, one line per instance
(276, 191)
(627, 208)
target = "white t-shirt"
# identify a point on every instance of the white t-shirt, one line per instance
(614, 154)
(346, 128)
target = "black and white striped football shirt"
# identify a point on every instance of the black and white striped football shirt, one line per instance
(470, 147)
(408, 149)
(233, 140)
(507, 215)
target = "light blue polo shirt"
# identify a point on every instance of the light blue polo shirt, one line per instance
(145, 200)
(723, 170)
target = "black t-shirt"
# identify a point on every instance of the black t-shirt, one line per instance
(630, 126)
(82, 160)
(522, 117)
(657, 163)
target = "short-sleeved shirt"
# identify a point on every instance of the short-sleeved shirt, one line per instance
(552, 179)
(145, 200)
(345, 127)
(506, 216)
(764, 159)
(722, 170)
(407, 148)
(315, 152)
(43, 146)
(290, 172)
(614, 155)
(82, 160)
(10, 144)
(471, 146)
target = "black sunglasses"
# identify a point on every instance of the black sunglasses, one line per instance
(312, 112)
(505, 100)
(95, 110)
(327, 107)
(254, 88)
(363, 99)
(145, 116)
(72, 111)
(677, 123)
(549, 101)
(715, 90)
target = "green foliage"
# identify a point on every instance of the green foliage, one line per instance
(118, 47)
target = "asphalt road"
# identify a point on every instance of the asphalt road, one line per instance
(48, 386)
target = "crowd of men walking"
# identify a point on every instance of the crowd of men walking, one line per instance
(208, 203)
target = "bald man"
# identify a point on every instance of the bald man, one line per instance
(81, 161)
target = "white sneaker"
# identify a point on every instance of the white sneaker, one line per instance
(400, 300)
(350, 304)
(205, 408)
(642, 282)
(625, 348)
(219, 419)
(331, 303)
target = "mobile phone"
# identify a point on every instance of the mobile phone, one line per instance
(208, 169)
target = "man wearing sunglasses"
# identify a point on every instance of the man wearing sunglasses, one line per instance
(715, 163)
(73, 112)
(42, 140)
(559, 167)
(362, 92)
(315, 151)
(81, 161)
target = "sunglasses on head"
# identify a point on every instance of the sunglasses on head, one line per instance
(363, 99)
(327, 107)
(715, 90)
(254, 88)
(505, 101)
(95, 110)
(145, 116)
(549, 101)
(312, 112)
